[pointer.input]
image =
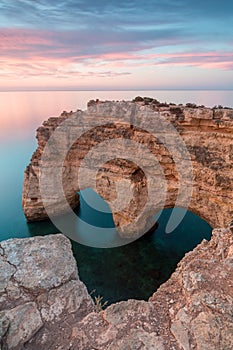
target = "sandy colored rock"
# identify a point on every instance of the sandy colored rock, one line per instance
(192, 310)
(210, 333)
(138, 340)
(206, 133)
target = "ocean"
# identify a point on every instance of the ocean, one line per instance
(132, 271)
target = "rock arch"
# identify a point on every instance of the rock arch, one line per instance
(207, 134)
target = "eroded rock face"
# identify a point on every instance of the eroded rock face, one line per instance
(41, 296)
(192, 310)
(207, 134)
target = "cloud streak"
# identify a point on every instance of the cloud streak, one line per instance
(88, 39)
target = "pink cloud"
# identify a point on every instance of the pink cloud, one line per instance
(34, 54)
(11, 39)
(213, 60)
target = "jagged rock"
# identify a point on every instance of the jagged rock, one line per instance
(210, 333)
(43, 303)
(24, 322)
(69, 298)
(191, 311)
(41, 295)
(4, 324)
(138, 340)
(207, 134)
(6, 271)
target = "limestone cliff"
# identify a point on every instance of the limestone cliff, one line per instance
(44, 305)
(206, 133)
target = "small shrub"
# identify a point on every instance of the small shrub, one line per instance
(148, 99)
(191, 105)
(100, 305)
(138, 99)
(98, 300)
(218, 107)
(164, 104)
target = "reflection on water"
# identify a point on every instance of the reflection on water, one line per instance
(23, 112)
(134, 270)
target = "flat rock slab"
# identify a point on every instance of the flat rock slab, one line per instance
(41, 296)
(41, 262)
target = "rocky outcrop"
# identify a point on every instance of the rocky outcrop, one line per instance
(45, 306)
(41, 296)
(206, 133)
(193, 310)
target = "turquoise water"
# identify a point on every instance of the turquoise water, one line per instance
(134, 270)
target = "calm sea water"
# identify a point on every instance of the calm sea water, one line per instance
(134, 270)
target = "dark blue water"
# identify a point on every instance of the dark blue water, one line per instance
(131, 271)
(136, 270)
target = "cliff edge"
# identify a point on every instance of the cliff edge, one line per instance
(150, 146)
(44, 305)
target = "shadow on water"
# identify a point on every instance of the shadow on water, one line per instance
(135, 270)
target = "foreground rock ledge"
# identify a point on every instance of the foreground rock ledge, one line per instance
(44, 305)
(41, 296)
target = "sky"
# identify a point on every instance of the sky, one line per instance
(116, 45)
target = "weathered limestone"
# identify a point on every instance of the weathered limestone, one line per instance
(24, 321)
(207, 134)
(41, 296)
(44, 249)
(191, 311)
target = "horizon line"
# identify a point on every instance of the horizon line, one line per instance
(110, 90)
